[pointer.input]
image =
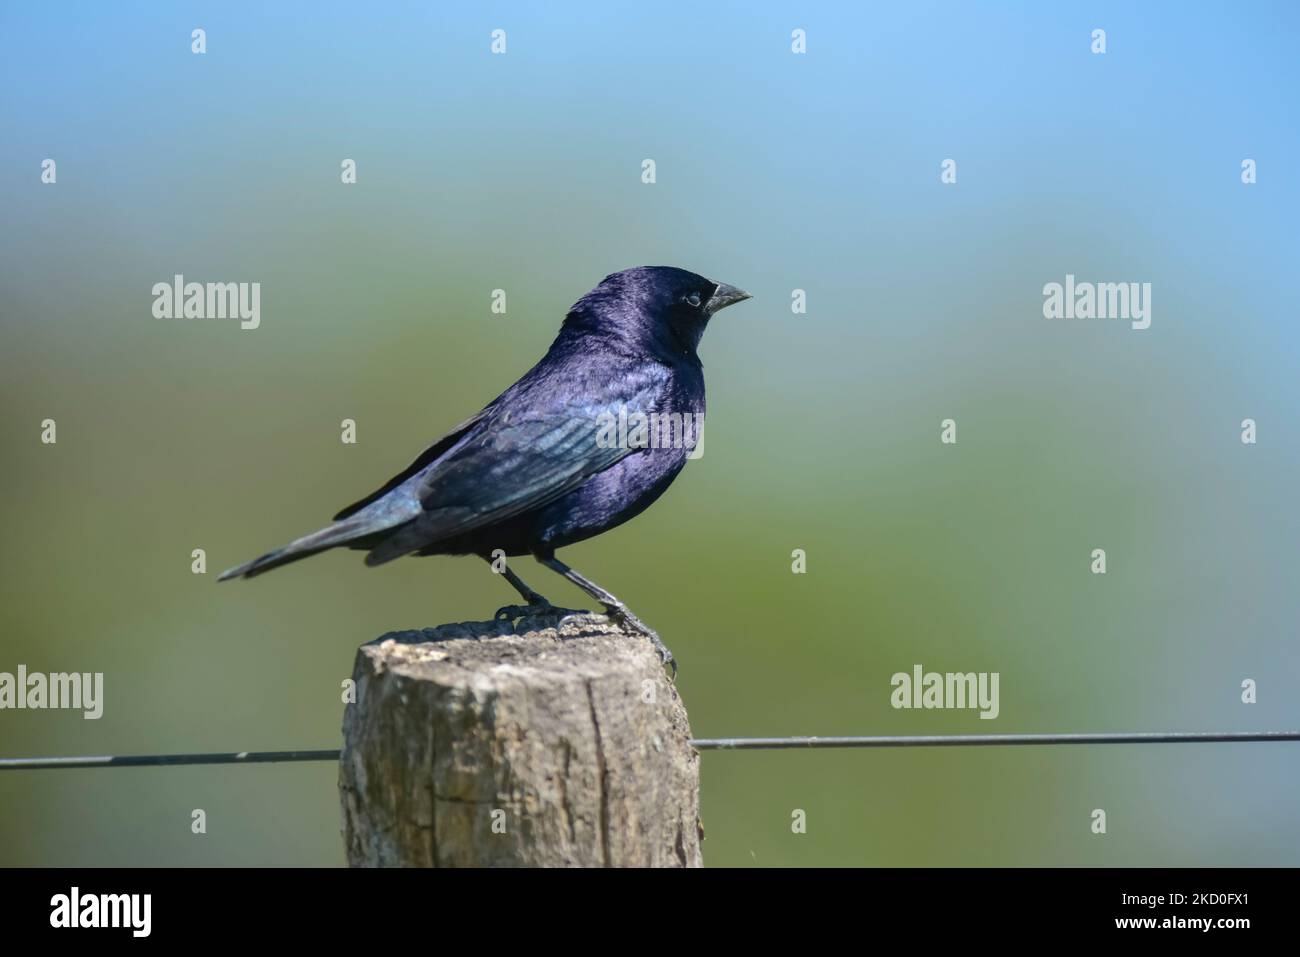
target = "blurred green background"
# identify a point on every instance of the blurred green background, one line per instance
(775, 172)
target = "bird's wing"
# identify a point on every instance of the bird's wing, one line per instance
(516, 459)
(425, 458)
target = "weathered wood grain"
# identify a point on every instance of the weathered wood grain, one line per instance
(492, 744)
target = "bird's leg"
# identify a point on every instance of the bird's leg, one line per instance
(613, 607)
(536, 603)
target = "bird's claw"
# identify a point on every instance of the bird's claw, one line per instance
(630, 622)
(511, 612)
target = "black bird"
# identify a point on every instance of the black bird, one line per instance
(540, 467)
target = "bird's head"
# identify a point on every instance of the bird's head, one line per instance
(660, 308)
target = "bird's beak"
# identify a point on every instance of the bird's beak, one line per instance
(723, 297)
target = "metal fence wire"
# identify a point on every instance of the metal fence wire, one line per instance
(701, 744)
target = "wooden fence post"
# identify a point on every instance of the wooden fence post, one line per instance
(491, 744)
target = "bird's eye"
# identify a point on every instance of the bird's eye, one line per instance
(693, 300)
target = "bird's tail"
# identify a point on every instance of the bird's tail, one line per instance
(340, 533)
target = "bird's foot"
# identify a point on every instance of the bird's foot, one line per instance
(511, 612)
(553, 616)
(630, 622)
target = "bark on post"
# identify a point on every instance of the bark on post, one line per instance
(487, 744)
